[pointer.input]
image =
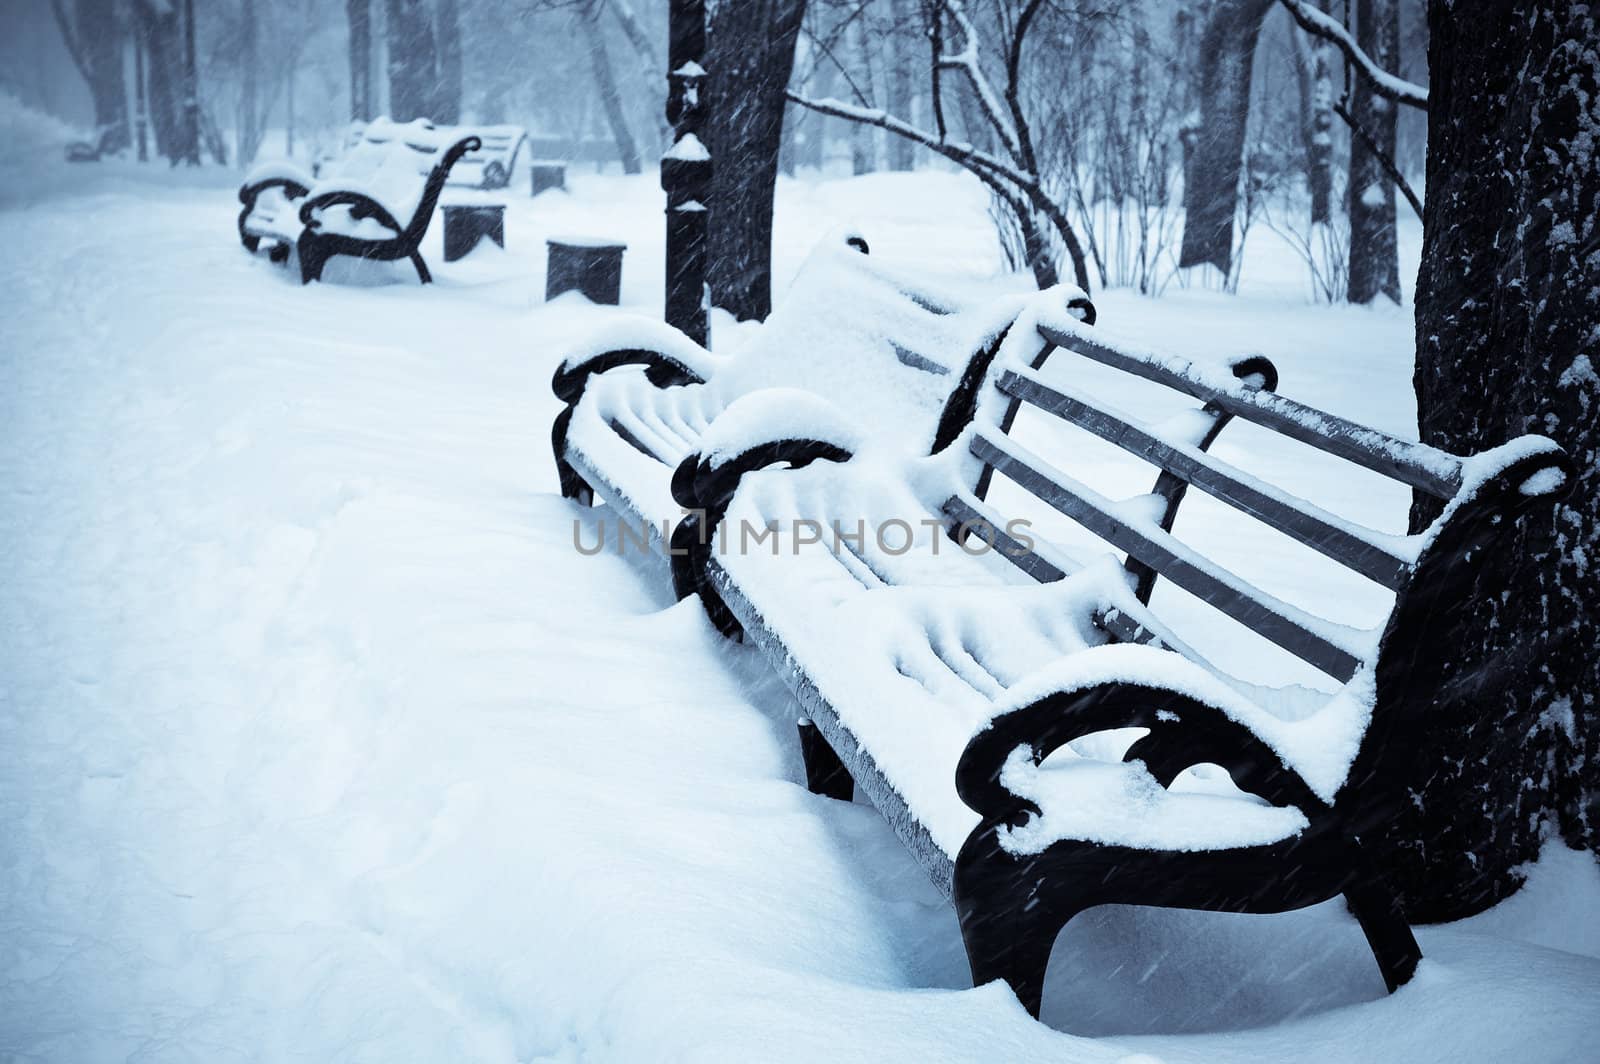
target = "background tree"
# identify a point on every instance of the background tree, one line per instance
(413, 59)
(1215, 143)
(358, 19)
(448, 79)
(1374, 249)
(94, 36)
(750, 55)
(1507, 342)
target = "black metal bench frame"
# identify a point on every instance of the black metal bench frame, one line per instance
(248, 195)
(317, 246)
(1011, 906)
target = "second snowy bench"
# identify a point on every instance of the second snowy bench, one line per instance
(987, 703)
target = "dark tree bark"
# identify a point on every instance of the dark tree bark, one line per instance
(605, 81)
(1214, 150)
(249, 131)
(94, 38)
(1506, 343)
(448, 85)
(1314, 64)
(902, 153)
(750, 57)
(1374, 256)
(162, 35)
(358, 14)
(413, 60)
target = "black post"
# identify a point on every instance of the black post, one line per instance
(686, 172)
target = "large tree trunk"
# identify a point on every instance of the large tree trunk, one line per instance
(358, 13)
(1215, 147)
(605, 81)
(448, 88)
(1374, 257)
(248, 125)
(1506, 343)
(1314, 65)
(750, 56)
(413, 60)
(902, 153)
(94, 40)
(162, 34)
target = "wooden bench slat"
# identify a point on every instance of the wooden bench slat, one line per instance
(1321, 531)
(1414, 464)
(1250, 606)
(961, 512)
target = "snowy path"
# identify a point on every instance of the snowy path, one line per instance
(319, 742)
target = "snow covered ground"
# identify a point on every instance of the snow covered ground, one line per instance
(319, 741)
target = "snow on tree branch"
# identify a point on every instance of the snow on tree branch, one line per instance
(1385, 84)
(960, 153)
(967, 61)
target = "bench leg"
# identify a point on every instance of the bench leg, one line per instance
(1386, 928)
(1010, 914)
(825, 773)
(422, 268)
(312, 259)
(572, 485)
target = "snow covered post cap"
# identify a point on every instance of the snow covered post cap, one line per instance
(686, 173)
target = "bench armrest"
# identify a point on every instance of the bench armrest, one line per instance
(661, 369)
(764, 428)
(1126, 687)
(361, 206)
(293, 186)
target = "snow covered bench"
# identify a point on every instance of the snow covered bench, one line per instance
(987, 702)
(879, 345)
(489, 167)
(376, 202)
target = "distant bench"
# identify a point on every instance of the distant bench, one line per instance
(376, 203)
(503, 151)
(984, 701)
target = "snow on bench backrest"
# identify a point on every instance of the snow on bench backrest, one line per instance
(390, 164)
(1385, 559)
(883, 352)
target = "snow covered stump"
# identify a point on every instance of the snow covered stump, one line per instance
(467, 225)
(545, 176)
(593, 267)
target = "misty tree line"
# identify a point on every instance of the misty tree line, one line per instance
(1123, 141)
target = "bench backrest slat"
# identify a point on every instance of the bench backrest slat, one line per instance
(963, 515)
(1300, 520)
(1414, 464)
(1270, 617)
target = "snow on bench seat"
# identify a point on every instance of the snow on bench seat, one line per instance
(916, 649)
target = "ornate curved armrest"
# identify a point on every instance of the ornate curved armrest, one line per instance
(292, 187)
(661, 369)
(361, 206)
(764, 428)
(1091, 699)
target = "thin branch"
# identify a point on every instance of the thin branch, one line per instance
(967, 61)
(983, 165)
(1378, 153)
(965, 154)
(1385, 84)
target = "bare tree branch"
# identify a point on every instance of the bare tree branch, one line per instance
(1385, 84)
(1378, 153)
